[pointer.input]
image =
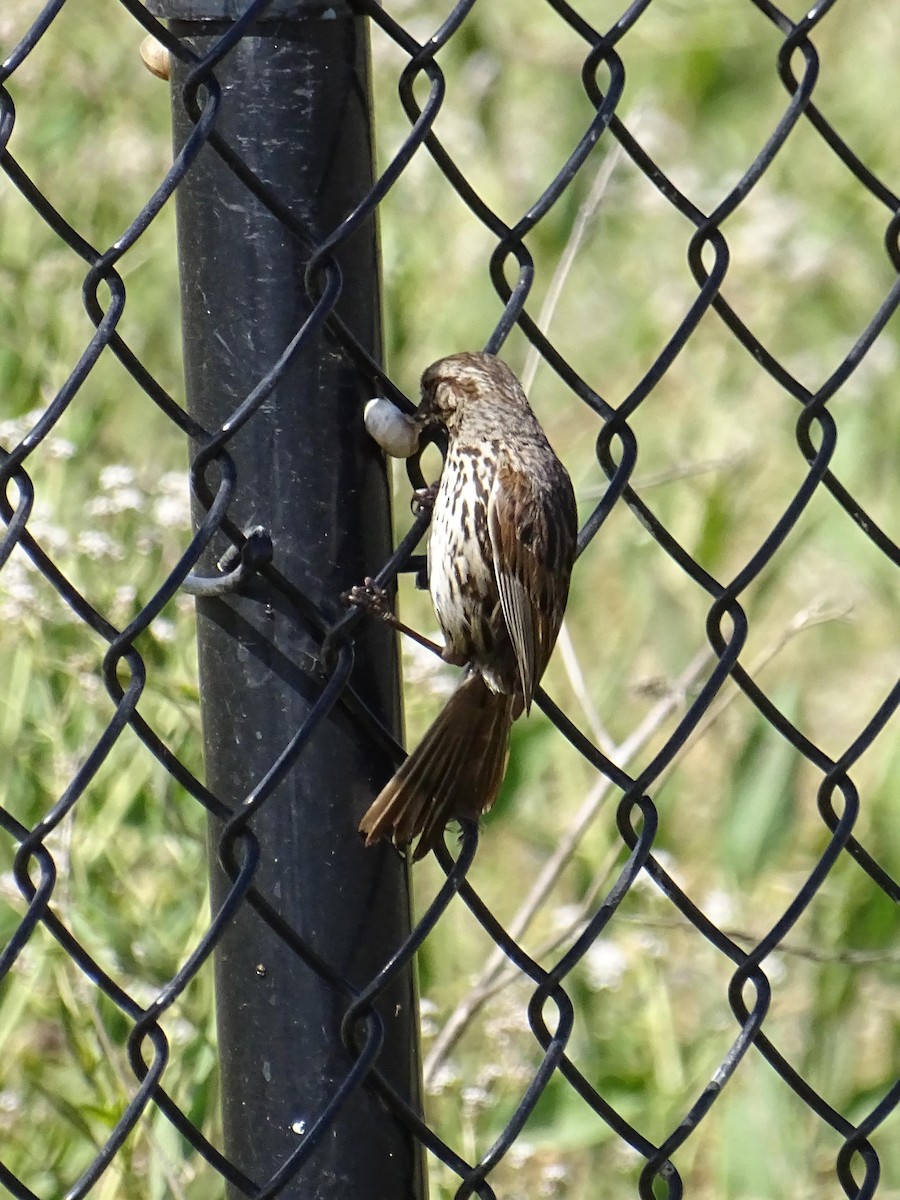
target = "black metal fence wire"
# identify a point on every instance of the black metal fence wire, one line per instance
(134, 1019)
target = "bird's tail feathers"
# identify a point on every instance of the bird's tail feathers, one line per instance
(454, 772)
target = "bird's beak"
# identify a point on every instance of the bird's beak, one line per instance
(424, 416)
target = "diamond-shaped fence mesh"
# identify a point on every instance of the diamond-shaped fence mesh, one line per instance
(667, 963)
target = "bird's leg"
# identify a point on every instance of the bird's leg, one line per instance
(374, 599)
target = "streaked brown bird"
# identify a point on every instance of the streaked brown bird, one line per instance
(500, 558)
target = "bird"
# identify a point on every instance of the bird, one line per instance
(500, 554)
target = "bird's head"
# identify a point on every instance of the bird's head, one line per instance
(454, 387)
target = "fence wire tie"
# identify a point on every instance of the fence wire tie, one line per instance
(255, 553)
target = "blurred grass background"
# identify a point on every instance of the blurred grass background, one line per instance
(739, 827)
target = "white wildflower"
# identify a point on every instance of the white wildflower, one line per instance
(124, 596)
(718, 905)
(124, 499)
(444, 1078)
(521, 1152)
(115, 476)
(163, 630)
(474, 1097)
(98, 545)
(18, 595)
(172, 512)
(552, 1175)
(605, 964)
(57, 447)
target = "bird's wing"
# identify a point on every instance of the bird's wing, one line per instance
(532, 540)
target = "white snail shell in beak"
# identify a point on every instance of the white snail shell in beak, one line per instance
(395, 432)
(156, 57)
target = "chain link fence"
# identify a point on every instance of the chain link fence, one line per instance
(667, 963)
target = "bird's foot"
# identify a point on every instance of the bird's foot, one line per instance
(372, 597)
(424, 498)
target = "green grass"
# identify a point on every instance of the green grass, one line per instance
(739, 827)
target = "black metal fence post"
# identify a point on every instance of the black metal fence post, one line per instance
(295, 110)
